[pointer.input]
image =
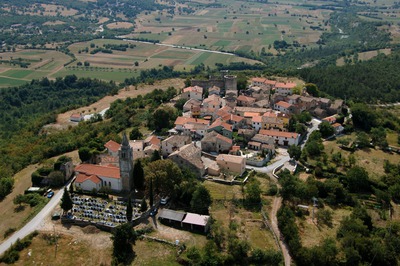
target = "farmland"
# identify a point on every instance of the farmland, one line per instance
(235, 26)
(116, 66)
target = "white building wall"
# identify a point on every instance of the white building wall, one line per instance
(113, 183)
(88, 185)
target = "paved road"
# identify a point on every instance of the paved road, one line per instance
(180, 47)
(35, 223)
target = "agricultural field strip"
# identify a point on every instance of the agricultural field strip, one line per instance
(181, 47)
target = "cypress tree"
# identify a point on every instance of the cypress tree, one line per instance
(129, 210)
(66, 202)
(138, 175)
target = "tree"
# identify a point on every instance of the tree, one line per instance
(326, 129)
(138, 175)
(143, 205)
(163, 117)
(294, 152)
(312, 89)
(362, 140)
(151, 197)
(66, 202)
(201, 200)
(357, 179)
(135, 134)
(6, 186)
(19, 199)
(129, 210)
(123, 238)
(363, 116)
(253, 194)
(378, 137)
(84, 154)
(57, 178)
(155, 156)
(324, 217)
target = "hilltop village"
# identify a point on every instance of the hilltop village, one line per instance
(219, 132)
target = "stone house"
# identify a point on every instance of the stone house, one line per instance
(214, 142)
(282, 138)
(173, 143)
(189, 156)
(245, 101)
(194, 92)
(231, 163)
(221, 127)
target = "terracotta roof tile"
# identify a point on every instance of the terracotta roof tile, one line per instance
(230, 158)
(112, 146)
(284, 104)
(275, 133)
(99, 170)
(83, 177)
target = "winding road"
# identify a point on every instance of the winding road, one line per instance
(277, 203)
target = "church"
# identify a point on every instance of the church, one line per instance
(118, 178)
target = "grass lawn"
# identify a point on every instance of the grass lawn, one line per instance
(7, 82)
(223, 192)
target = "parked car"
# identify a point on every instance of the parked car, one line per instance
(50, 194)
(154, 212)
(164, 201)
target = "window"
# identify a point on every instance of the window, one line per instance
(109, 184)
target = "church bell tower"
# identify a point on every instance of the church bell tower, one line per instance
(125, 154)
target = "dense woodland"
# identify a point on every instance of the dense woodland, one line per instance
(370, 81)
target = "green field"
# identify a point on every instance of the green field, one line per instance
(116, 66)
(7, 82)
(116, 75)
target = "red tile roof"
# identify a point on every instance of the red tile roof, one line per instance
(76, 115)
(194, 89)
(92, 169)
(258, 79)
(270, 114)
(218, 122)
(270, 82)
(152, 140)
(251, 114)
(336, 125)
(112, 146)
(245, 98)
(180, 120)
(285, 85)
(83, 177)
(284, 104)
(256, 119)
(275, 133)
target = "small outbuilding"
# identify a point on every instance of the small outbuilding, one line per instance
(197, 221)
(171, 216)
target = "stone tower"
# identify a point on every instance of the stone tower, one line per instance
(125, 154)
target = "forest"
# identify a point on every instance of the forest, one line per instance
(376, 80)
(26, 109)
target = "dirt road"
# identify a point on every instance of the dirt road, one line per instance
(274, 223)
